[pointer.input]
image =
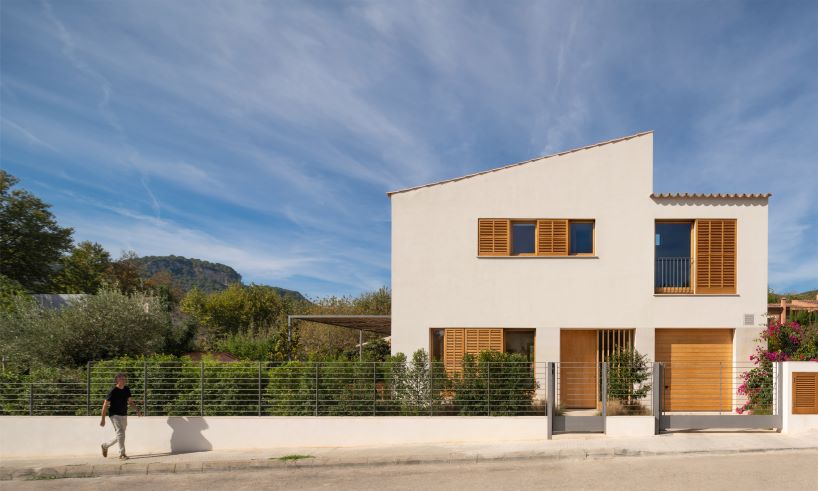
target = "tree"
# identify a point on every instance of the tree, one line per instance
(10, 292)
(83, 270)
(255, 311)
(331, 341)
(31, 241)
(96, 327)
(124, 273)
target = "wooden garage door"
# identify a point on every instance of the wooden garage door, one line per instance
(699, 368)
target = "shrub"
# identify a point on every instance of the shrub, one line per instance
(778, 342)
(496, 384)
(103, 326)
(414, 387)
(628, 370)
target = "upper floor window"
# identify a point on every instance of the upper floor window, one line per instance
(523, 238)
(536, 237)
(695, 256)
(582, 237)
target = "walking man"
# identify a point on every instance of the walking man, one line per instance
(116, 406)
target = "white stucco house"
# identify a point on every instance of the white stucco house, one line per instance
(566, 257)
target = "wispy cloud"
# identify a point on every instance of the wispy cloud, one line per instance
(264, 135)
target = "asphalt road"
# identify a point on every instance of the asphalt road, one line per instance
(780, 470)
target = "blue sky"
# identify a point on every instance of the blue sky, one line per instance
(265, 134)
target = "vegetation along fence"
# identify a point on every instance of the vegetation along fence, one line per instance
(175, 387)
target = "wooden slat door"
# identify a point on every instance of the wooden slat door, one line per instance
(699, 368)
(578, 369)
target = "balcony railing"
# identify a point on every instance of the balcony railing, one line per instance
(672, 275)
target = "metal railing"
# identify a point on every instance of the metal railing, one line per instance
(186, 388)
(717, 388)
(673, 275)
(595, 389)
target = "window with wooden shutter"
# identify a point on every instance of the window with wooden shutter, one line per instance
(804, 393)
(493, 237)
(552, 237)
(715, 256)
(457, 342)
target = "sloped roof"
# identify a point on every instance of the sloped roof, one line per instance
(710, 196)
(509, 166)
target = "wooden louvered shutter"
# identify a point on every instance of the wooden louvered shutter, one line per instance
(715, 256)
(493, 237)
(552, 237)
(478, 340)
(804, 393)
(453, 349)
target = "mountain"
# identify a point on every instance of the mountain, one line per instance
(190, 273)
(808, 295)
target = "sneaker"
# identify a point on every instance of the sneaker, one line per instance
(104, 450)
(123, 457)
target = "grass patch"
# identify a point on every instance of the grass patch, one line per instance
(293, 457)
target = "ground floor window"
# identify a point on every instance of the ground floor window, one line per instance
(449, 345)
(520, 341)
(436, 345)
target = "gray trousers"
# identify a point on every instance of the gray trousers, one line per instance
(119, 423)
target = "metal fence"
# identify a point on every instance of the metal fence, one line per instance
(699, 396)
(589, 389)
(717, 388)
(185, 388)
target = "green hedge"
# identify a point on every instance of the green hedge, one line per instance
(339, 388)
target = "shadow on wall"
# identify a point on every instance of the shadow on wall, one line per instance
(187, 434)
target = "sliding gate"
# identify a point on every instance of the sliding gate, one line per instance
(700, 396)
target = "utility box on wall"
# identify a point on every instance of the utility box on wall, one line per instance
(804, 393)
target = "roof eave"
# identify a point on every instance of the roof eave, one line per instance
(516, 164)
(694, 196)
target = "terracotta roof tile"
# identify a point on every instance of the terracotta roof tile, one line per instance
(445, 181)
(710, 196)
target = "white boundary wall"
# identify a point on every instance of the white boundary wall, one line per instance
(37, 436)
(796, 423)
(630, 426)
(438, 280)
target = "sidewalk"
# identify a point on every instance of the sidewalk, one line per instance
(579, 447)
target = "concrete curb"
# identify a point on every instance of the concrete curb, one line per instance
(133, 468)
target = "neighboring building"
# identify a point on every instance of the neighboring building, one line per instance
(568, 257)
(786, 309)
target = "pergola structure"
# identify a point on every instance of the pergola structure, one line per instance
(379, 324)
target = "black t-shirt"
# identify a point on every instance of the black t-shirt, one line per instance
(118, 399)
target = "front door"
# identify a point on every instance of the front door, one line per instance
(578, 369)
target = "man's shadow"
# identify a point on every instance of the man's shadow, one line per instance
(187, 435)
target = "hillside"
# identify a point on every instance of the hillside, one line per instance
(189, 273)
(808, 295)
